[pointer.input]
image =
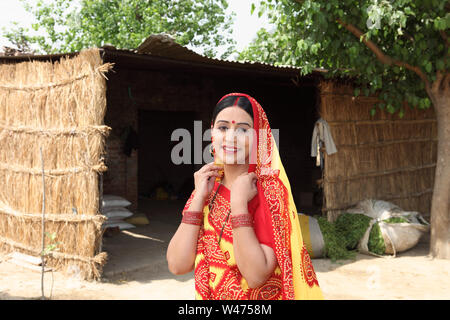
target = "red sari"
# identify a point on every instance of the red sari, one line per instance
(276, 224)
(217, 276)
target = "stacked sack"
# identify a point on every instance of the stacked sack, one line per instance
(114, 208)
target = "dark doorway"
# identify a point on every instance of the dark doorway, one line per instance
(158, 177)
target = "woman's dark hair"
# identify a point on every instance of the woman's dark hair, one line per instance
(242, 102)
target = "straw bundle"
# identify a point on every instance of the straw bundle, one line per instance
(58, 107)
(381, 157)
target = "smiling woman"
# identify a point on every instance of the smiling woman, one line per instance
(241, 235)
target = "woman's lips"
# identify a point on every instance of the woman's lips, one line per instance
(230, 150)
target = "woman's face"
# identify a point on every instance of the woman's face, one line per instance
(233, 135)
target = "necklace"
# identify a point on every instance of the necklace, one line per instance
(228, 214)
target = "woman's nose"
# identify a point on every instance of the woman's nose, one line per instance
(231, 134)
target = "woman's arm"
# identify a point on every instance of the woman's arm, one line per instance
(255, 261)
(182, 248)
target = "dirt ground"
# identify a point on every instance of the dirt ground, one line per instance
(137, 269)
(411, 275)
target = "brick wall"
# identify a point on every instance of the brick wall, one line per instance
(121, 177)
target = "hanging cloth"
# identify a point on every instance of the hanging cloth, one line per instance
(321, 136)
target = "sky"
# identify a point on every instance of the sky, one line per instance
(244, 30)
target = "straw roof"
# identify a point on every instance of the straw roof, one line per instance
(57, 108)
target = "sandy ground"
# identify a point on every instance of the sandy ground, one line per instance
(140, 253)
(412, 275)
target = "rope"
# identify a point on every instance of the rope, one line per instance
(379, 174)
(363, 243)
(413, 195)
(382, 144)
(88, 130)
(374, 122)
(392, 243)
(101, 167)
(99, 70)
(62, 217)
(98, 259)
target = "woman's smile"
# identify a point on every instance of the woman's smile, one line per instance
(230, 150)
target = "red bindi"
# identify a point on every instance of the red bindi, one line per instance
(232, 121)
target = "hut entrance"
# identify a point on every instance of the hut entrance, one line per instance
(294, 112)
(163, 184)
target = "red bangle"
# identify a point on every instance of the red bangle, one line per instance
(242, 220)
(193, 217)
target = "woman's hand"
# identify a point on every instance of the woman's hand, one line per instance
(204, 180)
(243, 190)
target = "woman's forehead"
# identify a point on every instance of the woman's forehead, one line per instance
(235, 114)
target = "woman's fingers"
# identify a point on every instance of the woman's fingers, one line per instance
(211, 174)
(205, 168)
(252, 176)
(210, 167)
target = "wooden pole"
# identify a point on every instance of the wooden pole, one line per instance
(43, 228)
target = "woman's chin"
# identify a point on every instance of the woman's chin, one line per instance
(231, 160)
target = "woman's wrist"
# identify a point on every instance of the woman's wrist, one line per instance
(238, 208)
(197, 204)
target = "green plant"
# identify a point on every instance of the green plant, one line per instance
(352, 227)
(67, 26)
(52, 246)
(376, 241)
(335, 243)
(396, 220)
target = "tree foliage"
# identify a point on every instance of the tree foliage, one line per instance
(391, 48)
(69, 25)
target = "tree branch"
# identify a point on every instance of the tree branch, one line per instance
(444, 36)
(381, 56)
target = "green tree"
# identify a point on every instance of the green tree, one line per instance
(69, 25)
(397, 50)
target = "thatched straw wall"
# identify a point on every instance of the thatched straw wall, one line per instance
(381, 157)
(58, 107)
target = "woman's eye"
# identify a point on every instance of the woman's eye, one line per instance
(240, 130)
